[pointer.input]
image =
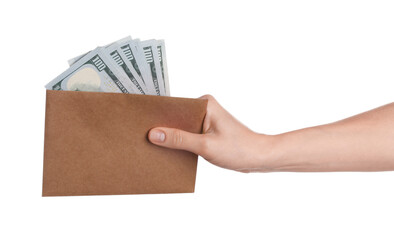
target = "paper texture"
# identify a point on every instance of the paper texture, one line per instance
(96, 144)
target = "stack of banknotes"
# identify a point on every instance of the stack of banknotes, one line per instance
(126, 66)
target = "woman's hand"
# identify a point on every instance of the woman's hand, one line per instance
(225, 142)
(364, 142)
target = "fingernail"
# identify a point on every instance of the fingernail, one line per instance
(157, 135)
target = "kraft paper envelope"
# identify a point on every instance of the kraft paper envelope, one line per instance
(96, 144)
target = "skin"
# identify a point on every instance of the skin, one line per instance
(364, 142)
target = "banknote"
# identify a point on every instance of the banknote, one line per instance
(128, 69)
(126, 65)
(150, 52)
(163, 64)
(130, 51)
(90, 73)
(118, 72)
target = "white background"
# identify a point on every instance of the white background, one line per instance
(275, 65)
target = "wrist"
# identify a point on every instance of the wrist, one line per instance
(268, 152)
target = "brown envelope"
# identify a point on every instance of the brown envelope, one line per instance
(96, 144)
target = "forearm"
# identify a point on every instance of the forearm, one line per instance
(364, 142)
(361, 143)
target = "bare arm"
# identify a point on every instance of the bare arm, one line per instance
(364, 142)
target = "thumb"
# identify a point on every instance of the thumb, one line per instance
(176, 139)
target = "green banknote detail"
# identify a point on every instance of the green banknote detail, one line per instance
(130, 57)
(161, 65)
(115, 55)
(150, 60)
(91, 73)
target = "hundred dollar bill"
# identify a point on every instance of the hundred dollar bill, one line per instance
(119, 58)
(118, 72)
(75, 59)
(91, 73)
(149, 49)
(163, 64)
(130, 51)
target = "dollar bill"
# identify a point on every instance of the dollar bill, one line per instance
(119, 58)
(150, 52)
(91, 73)
(163, 65)
(128, 66)
(129, 50)
(118, 72)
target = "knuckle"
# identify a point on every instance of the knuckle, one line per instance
(209, 97)
(212, 102)
(177, 138)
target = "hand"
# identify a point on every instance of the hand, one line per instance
(225, 142)
(360, 143)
